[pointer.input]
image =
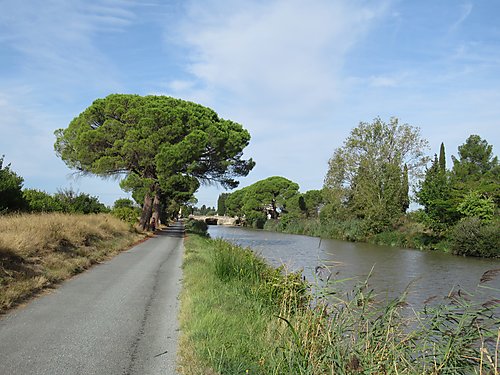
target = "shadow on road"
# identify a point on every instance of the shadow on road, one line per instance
(175, 230)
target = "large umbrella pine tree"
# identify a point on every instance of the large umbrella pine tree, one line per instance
(159, 143)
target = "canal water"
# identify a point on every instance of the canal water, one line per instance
(425, 274)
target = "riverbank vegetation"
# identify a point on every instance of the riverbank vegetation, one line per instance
(370, 183)
(239, 315)
(40, 250)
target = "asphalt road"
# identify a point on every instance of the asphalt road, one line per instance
(120, 317)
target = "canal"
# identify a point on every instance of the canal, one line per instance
(425, 274)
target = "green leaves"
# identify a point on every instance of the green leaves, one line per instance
(161, 143)
(11, 197)
(268, 196)
(369, 177)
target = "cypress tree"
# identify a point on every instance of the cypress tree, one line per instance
(442, 159)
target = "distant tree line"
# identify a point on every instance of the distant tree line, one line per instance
(271, 199)
(369, 185)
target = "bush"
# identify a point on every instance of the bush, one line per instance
(272, 225)
(197, 227)
(11, 196)
(473, 237)
(390, 238)
(255, 219)
(40, 201)
(123, 203)
(127, 214)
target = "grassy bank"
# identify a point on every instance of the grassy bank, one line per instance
(40, 250)
(238, 316)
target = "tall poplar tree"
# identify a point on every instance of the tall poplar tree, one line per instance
(367, 176)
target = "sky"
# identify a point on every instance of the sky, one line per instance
(298, 75)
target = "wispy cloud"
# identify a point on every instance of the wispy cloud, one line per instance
(57, 40)
(278, 54)
(465, 10)
(277, 67)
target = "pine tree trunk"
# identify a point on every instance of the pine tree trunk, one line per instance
(156, 208)
(147, 209)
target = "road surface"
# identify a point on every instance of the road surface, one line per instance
(120, 317)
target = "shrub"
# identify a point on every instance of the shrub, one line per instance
(197, 227)
(11, 196)
(256, 219)
(390, 238)
(123, 203)
(40, 201)
(474, 238)
(272, 225)
(127, 214)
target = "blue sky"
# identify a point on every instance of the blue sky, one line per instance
(299, 75)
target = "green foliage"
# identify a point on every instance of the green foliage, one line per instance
(204, 210)
(255, 219)
(435, 196)
(368, 178)
(73, 202)
(470, 189)
(473, 237)
(476, 169)
(163, 145)
(442, 158)
(404, 191)
(196, 227)
(234, 203)
(270, 196)
(128, 214)
(40, 201)
(475, 205)
(235, 263)
(11, 196)
(123, 203)
(475, 159)
(239, 315)
(221, 204)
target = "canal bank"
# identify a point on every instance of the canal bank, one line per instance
(424, 274)
(241, 316)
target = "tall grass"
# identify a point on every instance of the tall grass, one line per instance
(357, 334)
(239, 315)
(39, 250)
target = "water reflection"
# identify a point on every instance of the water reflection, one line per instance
(423, 273)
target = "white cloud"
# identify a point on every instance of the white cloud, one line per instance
(276, 67)
(279, 55)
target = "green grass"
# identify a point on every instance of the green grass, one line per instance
(222, 321)
(241, 316)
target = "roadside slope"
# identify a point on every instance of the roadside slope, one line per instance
(118, 318)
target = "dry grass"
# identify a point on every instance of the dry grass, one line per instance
(40, 250)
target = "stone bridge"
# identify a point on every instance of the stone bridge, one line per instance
(217, 220)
